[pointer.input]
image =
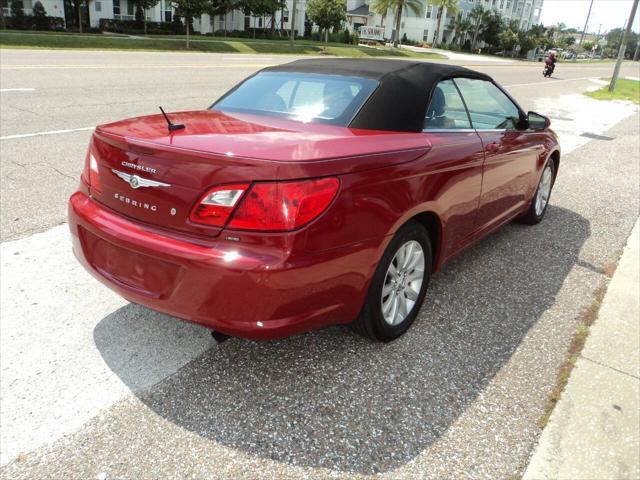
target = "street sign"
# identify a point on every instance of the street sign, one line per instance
(602, 42)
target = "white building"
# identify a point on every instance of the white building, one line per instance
(422, 27)
(163, 12)
(417, 27)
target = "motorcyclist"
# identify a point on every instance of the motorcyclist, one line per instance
(551, 60)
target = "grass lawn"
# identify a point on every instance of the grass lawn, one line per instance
(198, 44)
(625, 90)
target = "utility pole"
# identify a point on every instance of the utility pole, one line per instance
(623, 46)
(586, 22)
(293, 24)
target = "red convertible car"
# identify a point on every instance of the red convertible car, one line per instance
(313, 193)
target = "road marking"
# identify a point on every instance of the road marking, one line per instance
(550, 81)
(70, 348)
(16, 90)
(129, 67)
(50, 132)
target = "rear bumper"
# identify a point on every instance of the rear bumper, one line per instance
(236, 289)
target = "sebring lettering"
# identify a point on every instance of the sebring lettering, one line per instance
(135, 203)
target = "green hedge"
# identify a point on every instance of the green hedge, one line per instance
(137, 28)
(29, 22)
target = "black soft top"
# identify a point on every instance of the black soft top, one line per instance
(403, 94)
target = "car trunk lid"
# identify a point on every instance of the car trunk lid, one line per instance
(156, 176)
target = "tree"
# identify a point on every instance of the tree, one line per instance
(588, 46)
(257, 8)
(454, 25)
(381, 7)
(508, 40)
(527, 41)
(188, 9)
(414, 5)
(450, 6)
(40, 16)
(142, 6)
(78, 7)
(17, 14)
(479, 17)
(463, 28)
(492, 29)
(614, 39)
(327, 14)
(222, 7)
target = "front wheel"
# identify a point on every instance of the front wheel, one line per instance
(540, 200)
(398, 287)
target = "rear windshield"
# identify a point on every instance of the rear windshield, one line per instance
(306, 97)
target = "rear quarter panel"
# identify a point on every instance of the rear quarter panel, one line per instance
(445, 180)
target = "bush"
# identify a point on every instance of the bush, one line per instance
(355, 38)
(32, 22)
(262, 33)
(134, 27)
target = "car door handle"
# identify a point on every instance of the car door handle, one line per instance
(491, 147)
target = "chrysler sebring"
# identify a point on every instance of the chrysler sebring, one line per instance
(313, 193)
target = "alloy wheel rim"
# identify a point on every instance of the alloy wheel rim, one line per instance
(402, 283)
(544, 190)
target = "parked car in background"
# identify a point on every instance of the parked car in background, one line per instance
(313, 193)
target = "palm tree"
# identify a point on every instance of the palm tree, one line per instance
(381, 7)
(450, 6)
(454, 26)
(465, 28)
(414, 5)
(479, 16)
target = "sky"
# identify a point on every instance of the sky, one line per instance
(608, 13)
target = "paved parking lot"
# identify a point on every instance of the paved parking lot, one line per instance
(93, 386)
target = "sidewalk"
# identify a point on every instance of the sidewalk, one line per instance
(463, 57)
(593, 431)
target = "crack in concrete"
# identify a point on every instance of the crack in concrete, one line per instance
(42, 164)
(611, 368)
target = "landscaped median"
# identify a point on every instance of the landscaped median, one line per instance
(197, 44)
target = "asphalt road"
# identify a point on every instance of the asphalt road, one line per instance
(81, 89)
(95, 387)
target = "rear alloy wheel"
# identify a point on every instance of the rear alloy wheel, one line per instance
(398, 287)
(402, 283)
(540, 200)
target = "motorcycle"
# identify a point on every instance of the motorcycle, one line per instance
(548, 70)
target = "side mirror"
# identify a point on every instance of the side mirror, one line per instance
(537, 121)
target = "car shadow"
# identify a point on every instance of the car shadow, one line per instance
(331, 399)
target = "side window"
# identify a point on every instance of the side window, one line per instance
(489, 108)
(446, 110)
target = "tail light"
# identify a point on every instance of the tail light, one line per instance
(216, 206)
(90, 175)
(272, 206)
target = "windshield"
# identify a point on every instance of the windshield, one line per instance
(306, 97)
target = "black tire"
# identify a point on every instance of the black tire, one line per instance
(531, 217)
(371, 323)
